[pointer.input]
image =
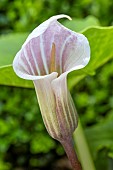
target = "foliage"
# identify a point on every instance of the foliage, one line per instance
(81, 24)
(24, 15)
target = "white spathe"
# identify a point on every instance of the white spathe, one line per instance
(49, 53)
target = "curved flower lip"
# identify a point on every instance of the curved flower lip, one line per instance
(36, 33)
(28, 76)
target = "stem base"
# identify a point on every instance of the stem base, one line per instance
(71, 154)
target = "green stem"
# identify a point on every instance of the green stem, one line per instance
(70, 151)
(83, 149)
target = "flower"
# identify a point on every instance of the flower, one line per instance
(50, 52)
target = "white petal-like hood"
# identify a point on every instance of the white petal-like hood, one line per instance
(51, 44)
(50, 52)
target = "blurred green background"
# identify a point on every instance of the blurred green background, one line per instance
(24, 142)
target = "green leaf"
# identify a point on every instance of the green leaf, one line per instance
(78, 24)
(101, 42)
(8, 77)
(100, 136)
(9, 45)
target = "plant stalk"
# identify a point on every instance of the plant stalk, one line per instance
(71, 154)
(83, 149)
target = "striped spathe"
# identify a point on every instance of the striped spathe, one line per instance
(49, 53)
